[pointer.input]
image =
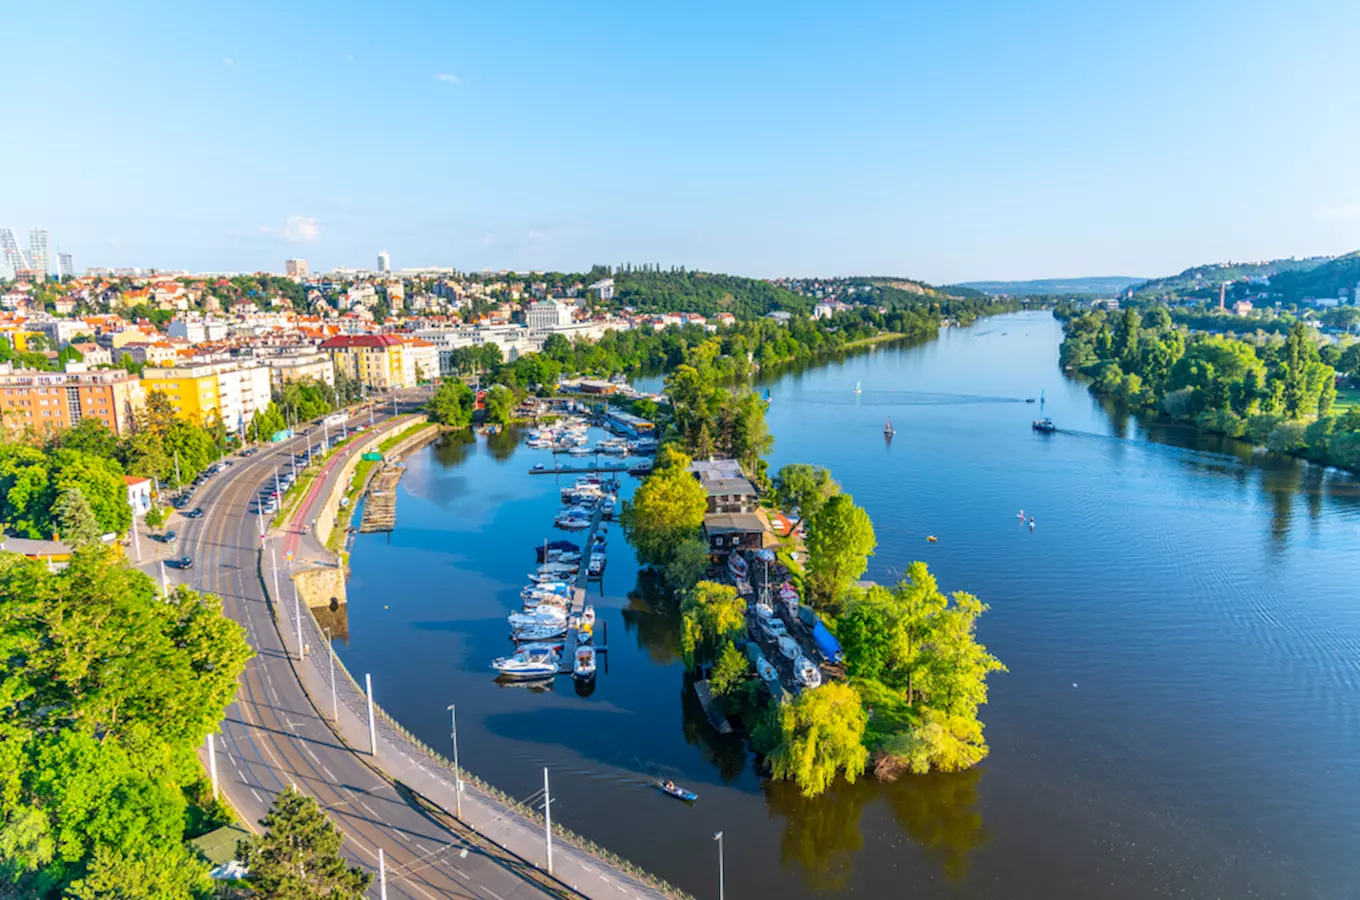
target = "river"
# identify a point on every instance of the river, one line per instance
(1182, 627)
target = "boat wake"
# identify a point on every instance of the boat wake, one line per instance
(902, 398)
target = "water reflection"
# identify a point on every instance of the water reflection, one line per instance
(502, 442)
(727, 753)
(820, 836)
(653, 616)
(454, 447)
(939, 812)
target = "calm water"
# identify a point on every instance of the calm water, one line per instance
(1182, 628)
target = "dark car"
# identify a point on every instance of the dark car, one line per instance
(168, 537)
(194, 513)
(186, 562)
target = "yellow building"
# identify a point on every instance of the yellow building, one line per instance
(376, 360)
(236, 391)
(192, 390)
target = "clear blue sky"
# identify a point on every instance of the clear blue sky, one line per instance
(944, 141)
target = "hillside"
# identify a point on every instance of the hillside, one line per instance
(1202, 282)
(1098, 285)
(1326, 280)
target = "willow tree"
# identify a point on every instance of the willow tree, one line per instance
(840, 541)
(821, 736)
(713, 615)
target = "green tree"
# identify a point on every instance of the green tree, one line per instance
(821, 735)
(499, 404)
(729, 671)
(89, 435)
(451, 404)
(299, 857)
(941, 742)
(840, 540)
(712, 615)
(667, 509)
(687, 563)
(804, 488)
(74, 519)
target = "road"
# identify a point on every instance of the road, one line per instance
(272, 735)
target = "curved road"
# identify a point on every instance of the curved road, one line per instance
(272, 736)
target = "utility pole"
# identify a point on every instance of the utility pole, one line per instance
(276, 485)
(177, 481)
(292, 458)
(136, 540)
(274, 565)
(382, 875)
(457, 772)
(547, 818)
(335, 704)
(212, 764)
(165, 591)
(372, 731)
(718, 837)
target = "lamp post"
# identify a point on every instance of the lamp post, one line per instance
(457, 772)
(372, 730)
(335, 704)
(719, 838)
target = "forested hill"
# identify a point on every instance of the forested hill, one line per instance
(681, 290)
(1326, 280)
(1202, 282)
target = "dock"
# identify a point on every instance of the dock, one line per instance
(591, 469)
(380, 509)
(715, 718)
(578, 600)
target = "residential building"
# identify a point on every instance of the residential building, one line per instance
(384, 262)
(1242, 308)
(93, 354)
(65, 267)
(295, 268)
(605, 288)
(376, 360)
(726, 486)
(314, 366)
(233, 390)
(151, 353)
(198, 331)
(11, 257)
(548, 314)
(419, 359)
(59, 331)
(52, 401)
(139, 494)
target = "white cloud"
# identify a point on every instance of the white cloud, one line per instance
(447, 78)
(300, 228)
(1345, 211)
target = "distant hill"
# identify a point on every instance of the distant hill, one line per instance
(1101, 285)
(1202, 282)
(1325, 280)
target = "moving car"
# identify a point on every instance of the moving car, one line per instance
(194, 513)
(168, 537)
(186, 562)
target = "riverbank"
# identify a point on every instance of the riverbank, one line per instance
(514, 826)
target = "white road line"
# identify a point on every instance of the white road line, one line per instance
(402, 835)
(329, 773)
(312, 755)
(257, 795)
(370, 810)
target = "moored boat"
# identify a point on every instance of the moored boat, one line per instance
(584, 667)
(527, 663)
(807, 672)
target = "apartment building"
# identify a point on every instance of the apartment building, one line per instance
(52, 401)
(419, 359)
(198, 331)
(316, 366)
(376, 360)
(233, 390)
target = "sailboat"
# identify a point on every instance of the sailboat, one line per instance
(1043, 423)
(888, 429)
(856, 386)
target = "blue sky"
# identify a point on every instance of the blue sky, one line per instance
(944, 141)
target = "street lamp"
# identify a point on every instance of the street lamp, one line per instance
(335, 704)
(718, 837)
(457, 772)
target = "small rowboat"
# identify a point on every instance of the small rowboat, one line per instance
(677, 792)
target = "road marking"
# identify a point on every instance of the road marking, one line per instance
(402, 835)
(312, 755)
(329, 773)
(257, 795)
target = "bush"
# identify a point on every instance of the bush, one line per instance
(1222, 421)
(1288, 437)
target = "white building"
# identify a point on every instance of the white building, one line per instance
(65, 267)
(605, 288)
(548, 314)
(197, 331)
(295, 268)
(315, 366)
(38, 258)
(139, 494)
(242, 390)
(384, 261)
(513, 340)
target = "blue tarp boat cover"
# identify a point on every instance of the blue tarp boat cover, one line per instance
(827, 643)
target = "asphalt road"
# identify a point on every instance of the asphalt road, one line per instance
(272, 736)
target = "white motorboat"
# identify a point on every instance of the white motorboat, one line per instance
(572, 523)
(807, 672)
(763, 609)
(766, 670)
(526, 663)
(737, 564)
(789, 647)
(588, 617)
(546, 615)
(544, 632)
(597, 561)
(546, 601)
(584, 668)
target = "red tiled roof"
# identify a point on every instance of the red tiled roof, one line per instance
(342, 341)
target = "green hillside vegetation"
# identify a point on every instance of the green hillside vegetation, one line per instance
(1276, 392)
(1202, 282)
(1094, 286)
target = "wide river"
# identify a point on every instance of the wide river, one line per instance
(1182, 627)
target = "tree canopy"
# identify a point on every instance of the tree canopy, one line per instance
(299, 857)
(840, 541)
(821, 736)
(451, 404)
(666, 510)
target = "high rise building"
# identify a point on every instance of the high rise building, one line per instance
(65, 268)
(38, 259)
(11, 257)
(295, 268)
(384, 261)
(53, 401)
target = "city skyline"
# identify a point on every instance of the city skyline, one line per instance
(977, 142)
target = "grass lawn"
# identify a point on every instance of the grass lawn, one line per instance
(891, 714)
(1345, 399)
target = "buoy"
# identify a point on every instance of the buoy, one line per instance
(931, 538)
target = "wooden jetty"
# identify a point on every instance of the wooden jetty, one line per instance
(586, 470)
(380, 509)
(715, 718)
(567, 661)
